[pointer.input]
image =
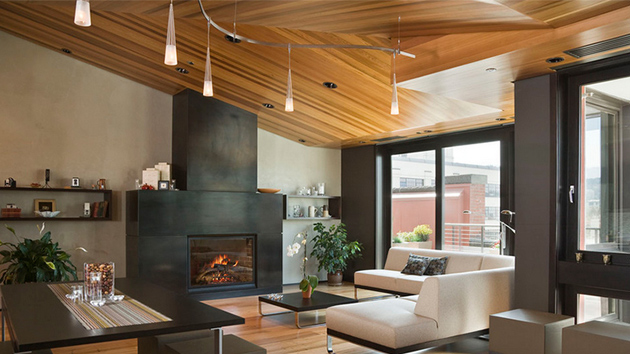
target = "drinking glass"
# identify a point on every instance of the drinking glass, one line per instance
(94, 292)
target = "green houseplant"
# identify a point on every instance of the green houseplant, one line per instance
(35, 260)
(333, 250)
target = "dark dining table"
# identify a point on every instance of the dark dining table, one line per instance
(36, 319)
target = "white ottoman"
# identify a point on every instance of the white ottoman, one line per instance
(596, 337)
(527, 332)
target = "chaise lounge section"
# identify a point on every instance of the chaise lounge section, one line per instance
(447, 307)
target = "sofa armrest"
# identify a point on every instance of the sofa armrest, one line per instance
(463, 302)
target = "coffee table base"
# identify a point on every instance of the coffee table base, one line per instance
(297, 316)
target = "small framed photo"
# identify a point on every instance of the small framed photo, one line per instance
(162, 185)
(45, 205)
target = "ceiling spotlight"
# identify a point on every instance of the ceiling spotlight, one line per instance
(268, 105)
(491, 70)
(361, 142)
(232, 39)
(428, 131)
(330, 85)
(181, 70)
(302, 140)
(555, 60)
(66, 50)
(500, 119)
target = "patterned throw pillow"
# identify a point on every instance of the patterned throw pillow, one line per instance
(416, 265)
(437, 266)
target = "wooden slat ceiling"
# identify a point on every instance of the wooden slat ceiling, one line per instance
(445, 88)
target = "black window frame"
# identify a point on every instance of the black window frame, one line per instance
(503, 133)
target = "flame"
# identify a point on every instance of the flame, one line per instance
(220, 259)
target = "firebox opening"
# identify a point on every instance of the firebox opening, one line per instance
(221, 260)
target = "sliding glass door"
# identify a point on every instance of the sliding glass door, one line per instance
(472, 198)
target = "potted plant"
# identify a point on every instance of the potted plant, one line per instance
(333, 250)
(35, 260)
(418, 238)
(309, 282)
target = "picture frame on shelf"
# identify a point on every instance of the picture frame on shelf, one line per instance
(45, 205)
(163, 185)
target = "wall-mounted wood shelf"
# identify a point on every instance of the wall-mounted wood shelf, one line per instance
(107, 197)
(334, 207)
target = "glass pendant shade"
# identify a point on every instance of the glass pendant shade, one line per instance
(288, 106)
(82, 13)
(207, 80)
(394, 110)
(170, 55)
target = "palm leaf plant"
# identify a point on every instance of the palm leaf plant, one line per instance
(38, 260)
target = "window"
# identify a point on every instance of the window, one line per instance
(456, 185)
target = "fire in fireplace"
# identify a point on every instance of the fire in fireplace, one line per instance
(221, 260)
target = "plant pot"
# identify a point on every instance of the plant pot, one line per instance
(335, 279)
(307, 294)
(423, 244)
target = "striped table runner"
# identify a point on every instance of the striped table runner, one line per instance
(124, 313)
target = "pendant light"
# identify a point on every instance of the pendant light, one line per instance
(82, 13)
(394, 109)
(288, 106)
(170, 55)
(207, 80)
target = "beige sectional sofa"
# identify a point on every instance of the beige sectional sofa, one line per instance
(446, 308)
(391, 280)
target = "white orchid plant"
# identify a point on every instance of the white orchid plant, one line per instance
(301, 241)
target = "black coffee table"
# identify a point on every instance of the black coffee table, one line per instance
(295, 303)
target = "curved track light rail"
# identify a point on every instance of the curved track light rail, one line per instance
(285, 45)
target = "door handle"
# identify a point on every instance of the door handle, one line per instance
(571, 193)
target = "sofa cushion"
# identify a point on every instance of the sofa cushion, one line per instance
(495, 261)
(377, 278)
(416, 265)
(437, 266)
(391, 323)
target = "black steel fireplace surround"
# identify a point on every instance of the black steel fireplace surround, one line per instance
(173, 237)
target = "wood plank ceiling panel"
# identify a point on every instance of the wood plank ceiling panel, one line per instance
(448, 88)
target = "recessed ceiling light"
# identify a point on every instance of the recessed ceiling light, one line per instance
(555, 60)
(361, 142)
(501, 119)
(428, 131)
(491, 70)
(181, 70)
(66, 50)
(232, 39)
(302, 140)
(268, 105)
(191, 63)
(330, 85)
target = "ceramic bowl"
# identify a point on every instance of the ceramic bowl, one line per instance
(48, 214)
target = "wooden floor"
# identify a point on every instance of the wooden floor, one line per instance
(278, 333)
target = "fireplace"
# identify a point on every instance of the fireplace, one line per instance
(221, 260)
(215, 237)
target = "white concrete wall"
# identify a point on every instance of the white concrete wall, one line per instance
(289, 165)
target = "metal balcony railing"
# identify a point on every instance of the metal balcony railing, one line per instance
(472, 238)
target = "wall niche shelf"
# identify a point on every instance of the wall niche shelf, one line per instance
(69, 201)
(333, 202)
